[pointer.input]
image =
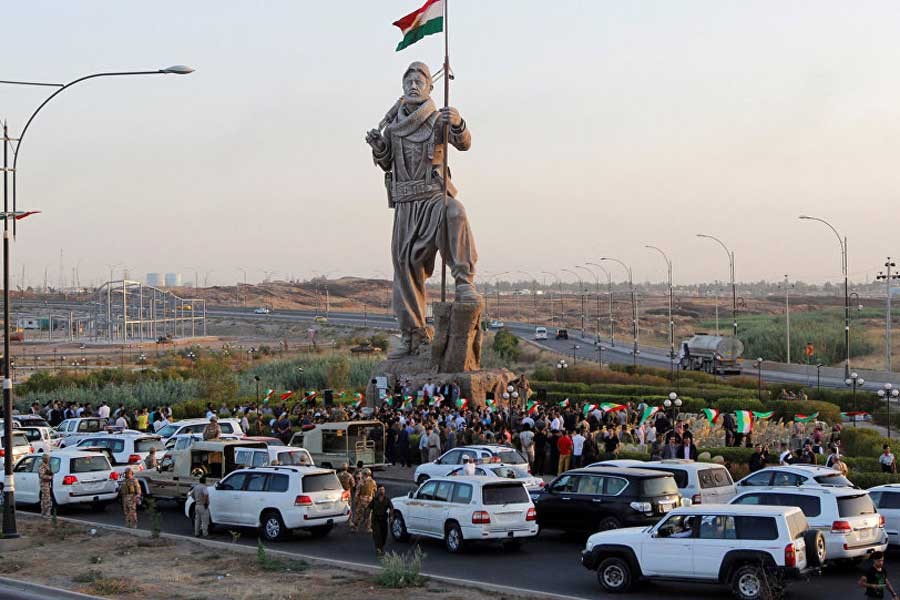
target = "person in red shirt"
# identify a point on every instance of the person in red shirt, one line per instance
(565, 446)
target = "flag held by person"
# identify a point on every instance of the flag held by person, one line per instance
(763, 416)
(587, 409)
(532, 407)
(744, 419)
(611, 407)
(462, 404)
(269, 393)
(649, 412)
(286, 395)
(565, 403)
(801, 418)
(711, 415)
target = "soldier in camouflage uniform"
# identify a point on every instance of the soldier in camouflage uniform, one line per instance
(346, 479)
(364, 495)
(131, 497)
(45, 476)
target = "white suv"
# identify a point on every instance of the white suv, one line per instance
(887, 501)
(753, 549)
(794, 475)
(698, 482)
(78, 477)
(274, 456)
(451, 459)
(278, 500)
(229, 426)
(847, 517)
(463, 509)
(125, 449)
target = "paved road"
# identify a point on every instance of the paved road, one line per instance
(548, 564)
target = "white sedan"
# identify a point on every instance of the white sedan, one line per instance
(501, 471)
(78, 477)
(487, 453)
(460, 510)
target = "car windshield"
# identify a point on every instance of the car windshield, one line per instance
(505, 472)
(19, 440)
(88, 464)
(660, 486)
(504, 494)
(851, 506)
(835, 479)
(324, 482)
(146, 444)
(681, 477)
(295, 457)
(168, 430)
(511, 457)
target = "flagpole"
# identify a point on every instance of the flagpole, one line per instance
(446, 146)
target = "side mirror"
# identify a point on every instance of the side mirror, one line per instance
(437, 461)
(218, 485)
(409, 495)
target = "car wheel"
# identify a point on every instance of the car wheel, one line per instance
(608, 523)
(422, 479)
(320, 531)
(749, 583)
(614, 575)
(815, 547)
(398, 528)
(453, 538)
(273, 528)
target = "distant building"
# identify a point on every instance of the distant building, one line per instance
(173, 280)
(154, 279)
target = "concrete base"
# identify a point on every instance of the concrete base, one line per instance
(473, 385)
(456, 346)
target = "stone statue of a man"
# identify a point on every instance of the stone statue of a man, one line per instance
(408, 146)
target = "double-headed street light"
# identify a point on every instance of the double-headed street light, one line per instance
(843, 242)
(854, 381)
(730, 255)
(559, 287)
(612, 329)
(888, 392)
(562, 365)
(673, 404)
(596, 291)
(9, 510)
(634, 318)
(671, 302)
(580, 293)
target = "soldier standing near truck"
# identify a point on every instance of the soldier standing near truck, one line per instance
(131, 497)
(45, 474)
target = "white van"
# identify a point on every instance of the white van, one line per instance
(540, 333)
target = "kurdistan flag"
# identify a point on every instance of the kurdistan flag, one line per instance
(269, 393)
(762, 416)
(801, 418)
(532, 407)
(711, 415)
(419, 23)
(490, 403)
(462, 404)
(587, 409)
(611, 407)
(564, 403)
(648, 412)
(744, 420)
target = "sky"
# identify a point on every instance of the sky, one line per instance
(598, 127)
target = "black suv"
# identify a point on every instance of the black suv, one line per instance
(562, 334)
(601, 498)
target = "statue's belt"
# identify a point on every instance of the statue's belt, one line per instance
(412, 191)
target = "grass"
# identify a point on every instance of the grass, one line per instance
(268, 563)
(401, 571)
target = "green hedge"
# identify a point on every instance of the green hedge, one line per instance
(859, 441)
(786, 409)
(732, 455)
(862, 464)
(868, 480)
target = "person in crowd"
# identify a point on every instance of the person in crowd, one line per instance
(671, 449)
(468, 466)
(759, 458)
(888, 464)
(611, 443)
(151, 462)
(526, 441)
(381, 513)
(577, 449)
(875, 580)
(564, 445)
(200, 493)
(212, 431)
(687, 450)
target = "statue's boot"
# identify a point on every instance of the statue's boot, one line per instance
(402, 349)
(419, 340)
(467, 294)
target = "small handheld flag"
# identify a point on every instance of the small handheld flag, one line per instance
(744, 420)
(649, 412)
(462, 404)
(611, 407)
(763, 416)
(801, 418)
(564, 403)
(286, 395)
(268, 395)
(711, 415)
(587, 409)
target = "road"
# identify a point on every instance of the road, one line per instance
(548, 564)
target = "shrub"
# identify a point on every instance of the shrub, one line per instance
(733, 455)
(506, 345)
(401, 570)
(859, 441)
(862, 464)
(867, 480)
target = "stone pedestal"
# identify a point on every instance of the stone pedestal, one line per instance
(473, 385)
(456, 346)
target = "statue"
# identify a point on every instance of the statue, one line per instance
(408, 146)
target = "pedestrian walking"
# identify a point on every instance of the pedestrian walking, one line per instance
(131, 497)
(364, 495)
(200, 494)
(381, 512)
(876, 579)
(45, 475)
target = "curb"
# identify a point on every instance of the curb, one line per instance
(367, 569)
(37, 590)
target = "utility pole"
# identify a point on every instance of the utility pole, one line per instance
(887, 277)
(787, 317)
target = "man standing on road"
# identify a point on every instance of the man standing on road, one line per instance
(45, 475)
(577, 449)
(758, 458)
(346, 480)
(434, 445)
(200, 494)
(381, 511)
(212, 431)
(131, 497)
(564, 444)
(876, 579)
(365, 495)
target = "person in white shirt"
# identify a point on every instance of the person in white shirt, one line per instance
(577, 449)
(785, 455)
(651, 434)
(468, 466)
(103, 411)
(556, 424)
(527, 440)
(122, 421)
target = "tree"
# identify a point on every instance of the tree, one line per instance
(506, 345)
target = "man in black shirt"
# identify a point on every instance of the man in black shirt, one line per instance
(875, 579)
(758, 459)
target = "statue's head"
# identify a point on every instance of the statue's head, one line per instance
(417, 84)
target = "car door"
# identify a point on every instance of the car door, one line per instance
(554, 505)
(252, 501)
(435, 513)
(888, 504)
(26, 478)
(590, 503)
(228, 494)
(418, 505)
(717, 536)
(668, 551)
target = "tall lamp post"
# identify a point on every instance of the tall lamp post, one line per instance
(559, 287)
(575, 349)
(787, 318)
(843, 242)
(673, 405)
(596, 292)
(819, 376)
(758, 363)
(854, 381)
(733, 287)
(671, 302)
(9, 509)
(634, 319)
(612, 329)
(887, 277)
(562, 365)
(888, 393)
(581, 293)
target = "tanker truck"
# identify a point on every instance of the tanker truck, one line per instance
(719, 355)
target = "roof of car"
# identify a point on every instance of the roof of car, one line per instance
(71, 453)
(480, 479)
(198, 420)
(805, 469)
(736, 509)
(885, 486)
(488, 447)
(804, 490)
(301, 469)
(634, 471)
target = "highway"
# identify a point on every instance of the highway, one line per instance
(548, 564)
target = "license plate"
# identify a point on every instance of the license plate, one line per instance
(664, 508)
(866, 534)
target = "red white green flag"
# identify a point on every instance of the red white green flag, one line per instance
(611, 407)
(407, 402)
(649, 411)
(744, 420)
(532, 407)
(762, 416)
(462, 404)
(565, 403)
(419, 23)
(711, 415)
(360, 400)
(490, 402)
(268, 395)
(587, 409)
(286, 395)
(801, 418)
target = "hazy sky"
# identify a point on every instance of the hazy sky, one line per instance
(597, 126)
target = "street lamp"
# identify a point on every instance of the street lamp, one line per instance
(758, 364)
(634, 321)
(510, 394)
(673, 401)
(671, 302)
(888, 393)
(733, 287)
(819, 376)
(256, 379)
(9, 509)
(887, 277)
(612, 332)
(562, 365)
(843, 242)
(559, 286)
(597, 292)
(580, 292)
(854, 381)
(575, 349)
(600, 350)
